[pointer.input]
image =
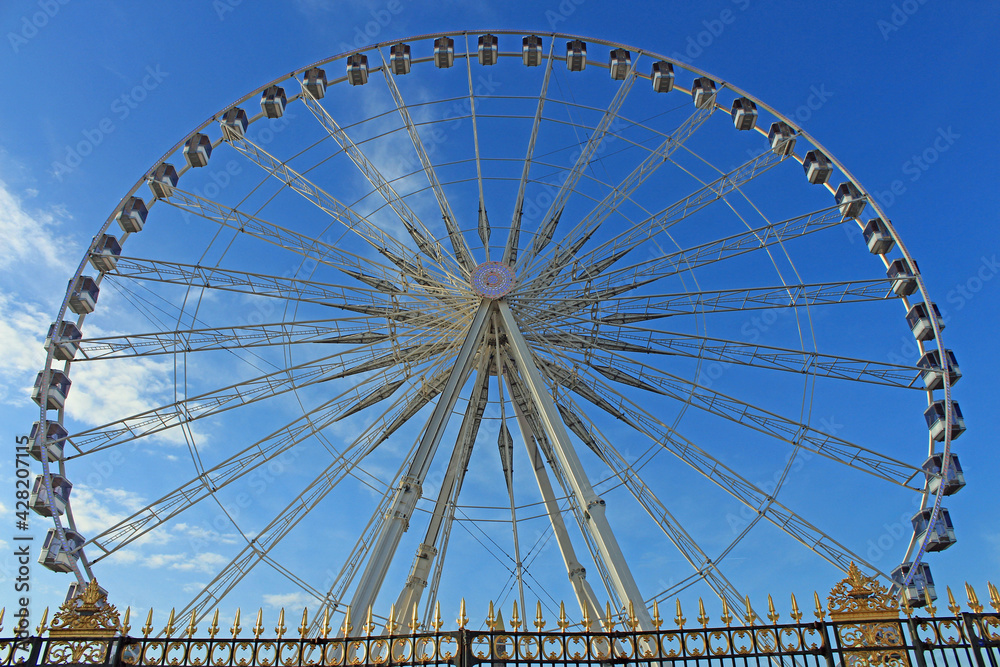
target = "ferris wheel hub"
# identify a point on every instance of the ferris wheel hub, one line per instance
(492, 280)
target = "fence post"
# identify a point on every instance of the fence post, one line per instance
(827, 646)
(970, 631)
(918, 645)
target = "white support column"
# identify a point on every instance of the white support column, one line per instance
(409, 492)
(549, 417)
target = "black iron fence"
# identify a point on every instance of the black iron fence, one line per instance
(966, 639)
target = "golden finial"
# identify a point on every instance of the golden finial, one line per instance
(931, 609)
(169, 630)
(657, 621)
(904, 602)
(772, 615)
(562, 623)
(258, 627)
(491, 617)
(304, 628)
(324, 629)
(515, 619)
(462, 618)
(214, 628)
(369, 627)
(192, 627)
(125, 627)
(751, 615)
(679, 618)
(390, 623)
(2, 610)
(727, 618)
(973, 599)
(952, 605)
(437, 622)
(994, 596)
(148, 628)
(586, 617)
(499, 621)
(347, 627)
(414, 619)
(633, 621)
(702, 616)
(819, 608)
(609, 623)
(280, 629)
(236, 629)
(40, 630)
(539, 621)
(796, 614)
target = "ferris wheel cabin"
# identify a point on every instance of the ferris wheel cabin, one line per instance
(619, 62)
(64, 340)
(920, 322)
(850, 200)
(703, 92)
(39, 501)
(234, 124)
(935, 417)
(920, 591)
(163, 181)
(56, 559)
(663, 76)
(132, 217)
(939, 536)
(877, 237)
(955, 480)
(55, 393)
(744, 113)
(314, 82)
(576, 55)
(531, 51)
(357, 69)
(104, 256)
(933, 375)
(781, 136)
(83, 298)
(198, 150)
(399, 58)
(55, 439)
(904, 283)
(273, 100)
(444, 52)
(818, 167)
(487, 49)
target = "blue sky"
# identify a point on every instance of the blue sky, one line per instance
(900, 92)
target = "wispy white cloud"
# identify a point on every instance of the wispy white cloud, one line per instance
(291, 600)
(32, 238)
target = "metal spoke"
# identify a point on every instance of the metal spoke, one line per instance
(461, 248)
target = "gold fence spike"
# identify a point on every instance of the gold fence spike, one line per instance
(462, 618)
(124, 627)
(169, 630)
(390, 623)
(586, 617)
(609, 623)
(973, 599)
(324, 629)
(192, 627)
(772, 615)
(679, 618)
(952, 605)
(369, 627)
(2, 610)
(796, 614)
(702, 616)
(727, 618)
(751, 615)
(414, 619)
(148, 628)
(499, 621)
(657, 621)
(562, 623)
(931, 609)
(539, 621)
(214, 628)
(304, 628)
(42, 627)
(819, 608)
(515, 619)
(437, 622)
(347, 627)
(633, 621)
(491, 618)
(236, 629)
(280, 629)
(905, 604)
(994, 596)
(258, 627)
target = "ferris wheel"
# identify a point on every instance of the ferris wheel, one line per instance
(546, 315)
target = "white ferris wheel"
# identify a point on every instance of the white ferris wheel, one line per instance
(543, 316)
